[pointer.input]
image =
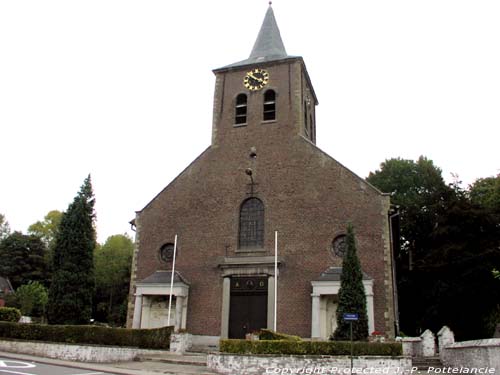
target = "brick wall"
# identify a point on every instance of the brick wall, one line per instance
(308, 197)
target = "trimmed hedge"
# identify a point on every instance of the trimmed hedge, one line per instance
(288, 347)
(267, 334)
(9, 314)
(158, 338)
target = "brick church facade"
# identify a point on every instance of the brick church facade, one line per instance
(262, 173)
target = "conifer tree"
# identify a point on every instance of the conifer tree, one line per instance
(352, 297)
(73, 282)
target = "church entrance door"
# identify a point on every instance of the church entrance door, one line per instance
(248, 306)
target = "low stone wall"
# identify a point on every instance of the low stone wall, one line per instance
(267, 364)
(472, 354)
(74, 352)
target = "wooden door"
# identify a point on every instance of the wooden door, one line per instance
(248, 306)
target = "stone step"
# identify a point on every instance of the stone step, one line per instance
(423, 363)
(203, 349)
(193, 359)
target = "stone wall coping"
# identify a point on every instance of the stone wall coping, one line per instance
(475, 344)
(308, 356)
(76, 352)
(411, 339)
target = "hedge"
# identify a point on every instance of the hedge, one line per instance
(9, 314)
(267, 334)
(158, 338)
(288, 347)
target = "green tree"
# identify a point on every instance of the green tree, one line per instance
(73, 283)
(32, 298)
(47, 230)
(420, 191)
(112, 272)
(4, 227)
(352, 297)
(485, 192)
(450, 244)
(22, 259)
(457, 267)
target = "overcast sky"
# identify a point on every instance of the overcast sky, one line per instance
(123, 90)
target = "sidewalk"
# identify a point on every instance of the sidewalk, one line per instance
(169, 365)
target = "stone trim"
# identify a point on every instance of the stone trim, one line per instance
(331, 287)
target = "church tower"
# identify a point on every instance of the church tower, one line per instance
(262, 174)
(269, 94)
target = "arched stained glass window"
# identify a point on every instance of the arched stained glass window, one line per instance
(251, 224)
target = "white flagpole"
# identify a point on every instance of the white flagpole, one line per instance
(172, 282)
(275, 277)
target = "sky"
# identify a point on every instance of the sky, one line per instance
(123, 90)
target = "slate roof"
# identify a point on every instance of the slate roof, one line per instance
(163, 277)
(268, 46)
(333, 274)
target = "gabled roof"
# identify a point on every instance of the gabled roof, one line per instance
(268, 46)
(163, 277)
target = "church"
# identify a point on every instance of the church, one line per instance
(261, 180)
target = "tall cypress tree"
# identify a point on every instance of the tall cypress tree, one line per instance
(352, 297)
(73, 282)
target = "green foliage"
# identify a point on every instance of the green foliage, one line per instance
(47, 230)
(4, 227)
(9, 314)
(485, 192)
(420, 191)
(450, 243)
(112, 262)
(288, 347)
(158, 338)
(33, 298)
(496, 273)
(267, 334)
(22, 259)
(352, 297)
(73, 280)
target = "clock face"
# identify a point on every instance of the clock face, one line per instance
(256, 79)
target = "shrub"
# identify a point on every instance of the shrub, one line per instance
(9, 314)
(33, 298)
(267, 334)
(158, 338)
(288, 347)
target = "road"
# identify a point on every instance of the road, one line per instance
(23, 367)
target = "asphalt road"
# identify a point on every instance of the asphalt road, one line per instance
(21, 367)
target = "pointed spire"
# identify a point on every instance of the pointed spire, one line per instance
(268, 44)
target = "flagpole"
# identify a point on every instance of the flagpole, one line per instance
(275, 278)
(172, 282)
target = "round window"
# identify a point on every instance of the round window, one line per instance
(167, 252)
(339, 246)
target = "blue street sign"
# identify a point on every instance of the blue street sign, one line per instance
(350, 316)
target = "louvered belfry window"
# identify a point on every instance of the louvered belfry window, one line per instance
(241, 110)
(251, 224)
(269, 105)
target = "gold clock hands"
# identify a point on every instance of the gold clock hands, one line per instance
(254, 77)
